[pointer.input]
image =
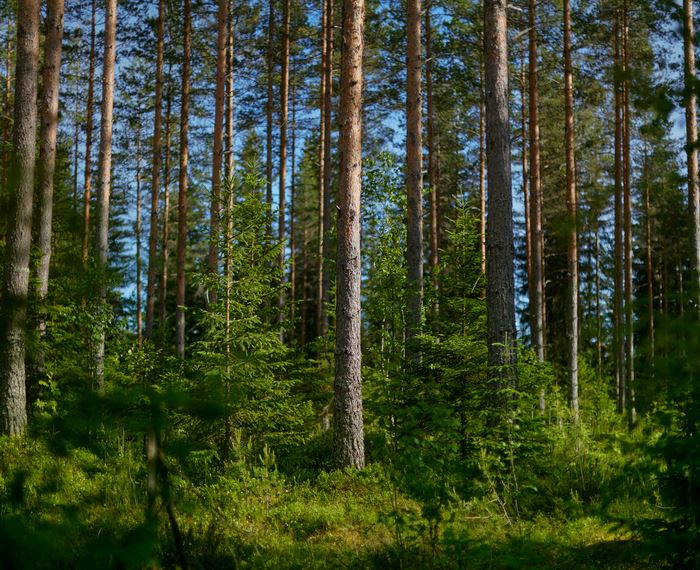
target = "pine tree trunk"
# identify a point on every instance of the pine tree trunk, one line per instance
(139, 309)
(228, 165)
(104, 180)
(322, 165)
(626, 169)
(155, 173)
(691, 133)
(524, 166)
(618, 295)
(87, 190)
(13, 322)
(327, 170)
(414, 175)
(7, 121)
(431, 132)
(482, 163)
(165, 239)
(292, 224)
(500, 294)
(284, 115)
(572, 210)
(348, 433)
(649, 258)
(47, 153)
(268, 110)
(182, 182)
(536, 235)
(218, 158)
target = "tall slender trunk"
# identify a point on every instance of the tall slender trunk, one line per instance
(6, 121)
(139, 309)
(327, 170)
(155, 172)
(292, 221)
(524, 166)
(482, 163)
(537, 300)
(431, 132)
(322, 165)
(47, 152)
(598, 312)
(228, 164)
(87, 186)
(15, 286)
(218, 158)
(691, 133)
(649, 257)
(348, 432)
(268, 111)
(284, 115)
(572, 210)
(182, 183)
(618, 295)
(414, 174)
(165, 240)
(626, 168)
(76, 139)
(104, 178)
(500, 294)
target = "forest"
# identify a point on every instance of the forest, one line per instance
(353, 284)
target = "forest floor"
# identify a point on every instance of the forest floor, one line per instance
(73, 509)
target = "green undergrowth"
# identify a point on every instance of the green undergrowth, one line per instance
(83, 509)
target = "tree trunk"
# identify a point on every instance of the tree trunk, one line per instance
(228, 170)
(525, 176)
(182, 191)
(482, 163)
(218, 158)
(572, 210)
(47, 152)
(536, 235)
(87, 190)
(292, 223)
(13, 398)
(500, 293)
(139, 310)
(155, 173)
(414, 175)
(327, 170)
(268, 110)
(618, 315)
(649, 259)
(322, 164)
(348, 433)
(626, 168)
(284, 114)
(691, 133)
(104, 180)
(431, 132)
(165, 243)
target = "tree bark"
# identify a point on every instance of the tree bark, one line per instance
(13, 398)
(482, 162)
(524, 166)
(268, 110)
(414, 175)
(500, 294)
(217, 159)
(348, 434)
(536, 236)
(47, 152)
(165, 244)
(320, 308)
(691, 133)
(228, 165)
(292, 223)
(327, 170)
(572, 210)
(139, 309)
(284, 115)
(155, 172)
(104, 180)
(182, 182)
(87, 190)
(626, 168)
(431, 132)
(649, 257)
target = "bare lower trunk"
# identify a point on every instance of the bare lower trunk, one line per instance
(104, 180)
(482, 167)
(691, 133)
(182, 192)
(536, 236)
(284, 113)
(525, 175)
(47, 153)
(348, 433)
(87, 190)
(228, 165)
(327, 171)
(322, 165)
(572, 210)
(165, 243)
(268, 112)
(292, 225)
(649, 258)
(13, 322)
(414, 175)
(155, 173)
(218, 158)
(431, 131)
(139, 315)
(499, 239)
